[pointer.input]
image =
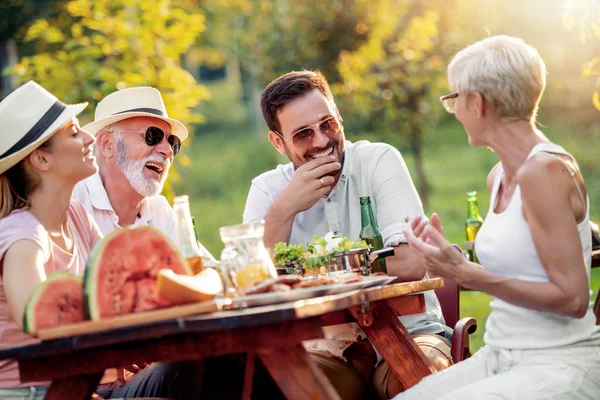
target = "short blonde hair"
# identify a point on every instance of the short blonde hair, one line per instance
(508, 72)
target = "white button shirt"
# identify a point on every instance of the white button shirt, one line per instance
(370, 169)
(155, 211)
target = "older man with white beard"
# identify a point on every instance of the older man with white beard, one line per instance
(136, 142)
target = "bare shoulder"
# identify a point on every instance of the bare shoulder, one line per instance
(492, 176)
(547, 186)
(22, 257)
(543, 169)
(553, 179)
(23, 248)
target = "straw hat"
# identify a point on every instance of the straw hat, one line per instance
(29, 116)
(133, 102)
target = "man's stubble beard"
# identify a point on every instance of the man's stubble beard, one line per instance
(338, 147)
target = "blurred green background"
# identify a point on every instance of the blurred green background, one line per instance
(385, 59)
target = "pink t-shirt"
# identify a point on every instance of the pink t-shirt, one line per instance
(19, 225)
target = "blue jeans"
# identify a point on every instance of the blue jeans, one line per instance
(178, 380)
(215, 378)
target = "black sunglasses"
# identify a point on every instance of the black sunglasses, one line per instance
(154, 135)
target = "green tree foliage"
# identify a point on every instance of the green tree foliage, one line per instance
(268, 38)
(13, 15)
(391, 83)
(584, 16)
(94, 47)
(272, 37)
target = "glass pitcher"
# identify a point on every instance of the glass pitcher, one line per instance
(245, 260)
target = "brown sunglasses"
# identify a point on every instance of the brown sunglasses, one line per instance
(304, 137)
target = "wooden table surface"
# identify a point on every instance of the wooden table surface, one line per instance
(273, 333)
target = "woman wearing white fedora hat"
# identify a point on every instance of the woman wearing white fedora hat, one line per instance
(43, 154)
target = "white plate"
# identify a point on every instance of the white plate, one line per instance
(263, 299)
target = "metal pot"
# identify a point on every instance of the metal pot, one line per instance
(357, 260)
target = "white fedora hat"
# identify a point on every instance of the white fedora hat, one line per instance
(29, 116)
(132, 102)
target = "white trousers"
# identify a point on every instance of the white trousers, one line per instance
(569, 373)
(24, 393)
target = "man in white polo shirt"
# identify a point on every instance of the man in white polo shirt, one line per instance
(318, 192)
(136, 142)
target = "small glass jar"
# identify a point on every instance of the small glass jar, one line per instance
(245, 260)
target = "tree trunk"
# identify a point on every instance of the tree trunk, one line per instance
(234, 76)
(259, 125)
(416, 141)
(11, 57)
(416, 146)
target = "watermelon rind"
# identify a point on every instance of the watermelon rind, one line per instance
(38, 291)
(90, 295)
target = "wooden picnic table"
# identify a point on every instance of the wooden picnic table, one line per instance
(272, 333)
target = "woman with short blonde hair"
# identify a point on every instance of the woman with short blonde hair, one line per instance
(510, 73)
(541, 339)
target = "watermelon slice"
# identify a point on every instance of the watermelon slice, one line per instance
(121, 273)
(54, 302)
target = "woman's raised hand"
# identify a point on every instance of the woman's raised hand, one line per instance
(439, 255)
(420, 223)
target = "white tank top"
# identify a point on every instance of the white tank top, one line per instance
(505, 247)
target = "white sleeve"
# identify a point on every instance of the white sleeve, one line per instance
(396, 199)
(257, 204)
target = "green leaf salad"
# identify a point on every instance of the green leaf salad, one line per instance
(283, 254)
(316, 253)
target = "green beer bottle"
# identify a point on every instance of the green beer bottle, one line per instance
(472, 225)
(195, 231)
(370, 233)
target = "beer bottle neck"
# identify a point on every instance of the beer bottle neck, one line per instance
(472, 209)
(186, 238)
(369, 226)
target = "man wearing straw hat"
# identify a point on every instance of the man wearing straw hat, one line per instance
(136, 143)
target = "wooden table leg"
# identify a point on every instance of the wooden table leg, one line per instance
(297, 376)
(76, 388)
(249, 375)
(393, 342)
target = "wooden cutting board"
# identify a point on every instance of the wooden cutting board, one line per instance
(133, 319)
